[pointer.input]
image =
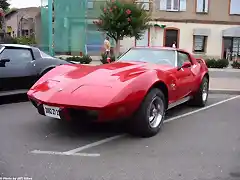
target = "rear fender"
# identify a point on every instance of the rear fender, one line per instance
(206, 74)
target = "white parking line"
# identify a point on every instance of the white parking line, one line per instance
(98, 143)
(64, 154)
(202, 109)
(94, 144)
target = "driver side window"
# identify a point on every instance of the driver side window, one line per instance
(182, 58)
(17, 55)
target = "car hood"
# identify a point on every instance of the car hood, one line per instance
(90, 82)
(103, 75)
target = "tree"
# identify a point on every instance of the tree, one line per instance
(4, 5)
(121, 19)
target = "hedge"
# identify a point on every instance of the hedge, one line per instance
(236, 65)
(85, 59)
(104, 58)
(219, 63)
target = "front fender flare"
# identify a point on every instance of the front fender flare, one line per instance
(138, 88)
(42, 72)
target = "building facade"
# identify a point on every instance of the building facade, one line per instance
(207, 28)
(24, 22)
(204, 27)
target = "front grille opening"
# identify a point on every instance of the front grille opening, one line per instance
(34, 103)
(83, 115)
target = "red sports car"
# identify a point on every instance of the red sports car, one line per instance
(140, 87)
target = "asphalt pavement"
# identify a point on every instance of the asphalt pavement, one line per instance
(194, 144)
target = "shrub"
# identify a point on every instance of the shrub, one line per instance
(236, 65)
(220, 63)
(85, 59)
(104, 58)
(26, 40)
(9, 40)
(211, 63)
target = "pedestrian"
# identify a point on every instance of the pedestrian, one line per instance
(174, 44)
(107, 46)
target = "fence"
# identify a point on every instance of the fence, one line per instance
(72, 30)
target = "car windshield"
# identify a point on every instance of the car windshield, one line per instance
(156, 56)
(44, 55)
(1, 48)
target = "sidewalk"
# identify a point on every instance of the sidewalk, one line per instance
(225, 85)
(225, 81)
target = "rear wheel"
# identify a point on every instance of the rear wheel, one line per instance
(148, 119)
(201, 96)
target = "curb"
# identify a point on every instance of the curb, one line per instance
(223, 70)
(224, 91)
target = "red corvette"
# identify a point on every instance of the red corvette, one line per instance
(140, 86)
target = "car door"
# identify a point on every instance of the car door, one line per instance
(19, 72)
(184, 75)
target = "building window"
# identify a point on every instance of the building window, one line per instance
(171, 36)
(236, 47)
(145, 4)
(234, 7)
(202, 6)
(90, 4)
(173, 5)
(199, 43)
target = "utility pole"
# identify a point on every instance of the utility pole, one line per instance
(51, 26)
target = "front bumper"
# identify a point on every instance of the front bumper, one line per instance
(69, 113)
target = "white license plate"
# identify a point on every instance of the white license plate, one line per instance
(51, 111)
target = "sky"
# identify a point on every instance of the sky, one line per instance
(24, 3)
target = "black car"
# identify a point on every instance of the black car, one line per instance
(21, 66)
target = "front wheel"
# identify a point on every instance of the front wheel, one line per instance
(148, 119)
(201, 96)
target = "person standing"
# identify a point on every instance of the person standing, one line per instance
(107, 46)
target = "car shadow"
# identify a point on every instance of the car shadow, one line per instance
(59, 129)
(78, 129)
(13, 99)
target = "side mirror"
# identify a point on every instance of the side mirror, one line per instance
(185, 65)
(4, 60)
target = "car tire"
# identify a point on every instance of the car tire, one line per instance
(148, 119)
(201, 96)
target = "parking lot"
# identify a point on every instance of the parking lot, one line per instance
(194, 144)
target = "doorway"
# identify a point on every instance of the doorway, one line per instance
(171, 35)
(231, 48)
